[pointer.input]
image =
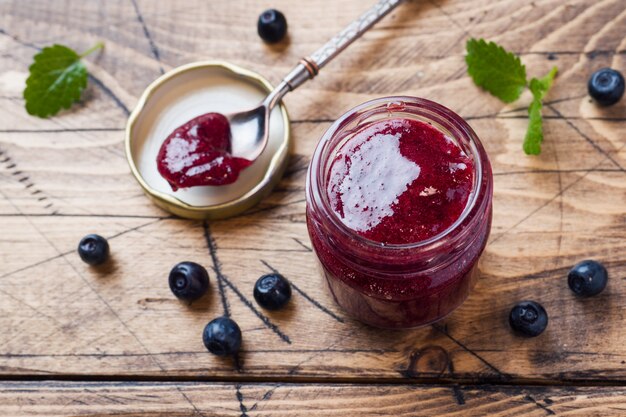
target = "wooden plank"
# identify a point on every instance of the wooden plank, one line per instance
(57, 399)
(60, 317)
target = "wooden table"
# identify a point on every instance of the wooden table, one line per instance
(76, 340)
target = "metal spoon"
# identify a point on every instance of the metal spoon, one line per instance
(250, 128)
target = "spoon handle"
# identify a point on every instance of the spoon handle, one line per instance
(352, 32)
(309, 67)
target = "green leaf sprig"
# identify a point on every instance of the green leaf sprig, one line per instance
(57, 79)
(502, 74)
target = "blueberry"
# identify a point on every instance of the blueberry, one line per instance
(272, 26)
(528, 318)
(587, 278)
(272, 291)
(606, 86)
(222, 336)
(189, 281)
(93, 249)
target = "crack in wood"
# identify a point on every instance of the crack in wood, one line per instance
(36, 310)
(199, 352)
(266, 397)
(591, 54)
(23, 180)
(239, 396)
(295, 368)
(272, 207)
(586, 137)
(225, 281)
(457, 393)
(560, 235)
(114, 399)
(107, 91)
(197, 412)
(443, 331)
(217, 266)
(93, 215)
(245, 249)
(16, 39)
(522, 109)
(465, 32)
(538, 404)
(153, 47)
(548, 117)
(299, 242)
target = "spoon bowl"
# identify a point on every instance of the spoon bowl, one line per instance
(250, 128)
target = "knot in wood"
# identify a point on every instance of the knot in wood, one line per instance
(428, 361)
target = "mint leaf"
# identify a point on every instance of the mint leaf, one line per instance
(534, 134)
(493, 68)
(539, 87)
(57, 79)
(502, 74)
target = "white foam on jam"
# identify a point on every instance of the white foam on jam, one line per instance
(454, 167)
(205, 167)
(372, 179)
(178, 154)
(193, 132)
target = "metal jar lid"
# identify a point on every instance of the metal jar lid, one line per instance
(184, 93)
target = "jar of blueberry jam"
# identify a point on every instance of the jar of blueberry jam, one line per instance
(399, 197)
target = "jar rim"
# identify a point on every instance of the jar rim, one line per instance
(457, 121)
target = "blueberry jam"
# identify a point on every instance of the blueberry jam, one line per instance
(400, 181)
(198, 153)
(399, 210)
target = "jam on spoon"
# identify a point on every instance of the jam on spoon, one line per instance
(199, 153)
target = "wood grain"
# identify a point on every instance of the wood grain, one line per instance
(67, 176)
(227, 400)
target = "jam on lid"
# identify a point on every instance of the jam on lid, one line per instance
(399, 181)
(198, 153)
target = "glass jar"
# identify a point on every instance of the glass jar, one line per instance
(399, 285)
